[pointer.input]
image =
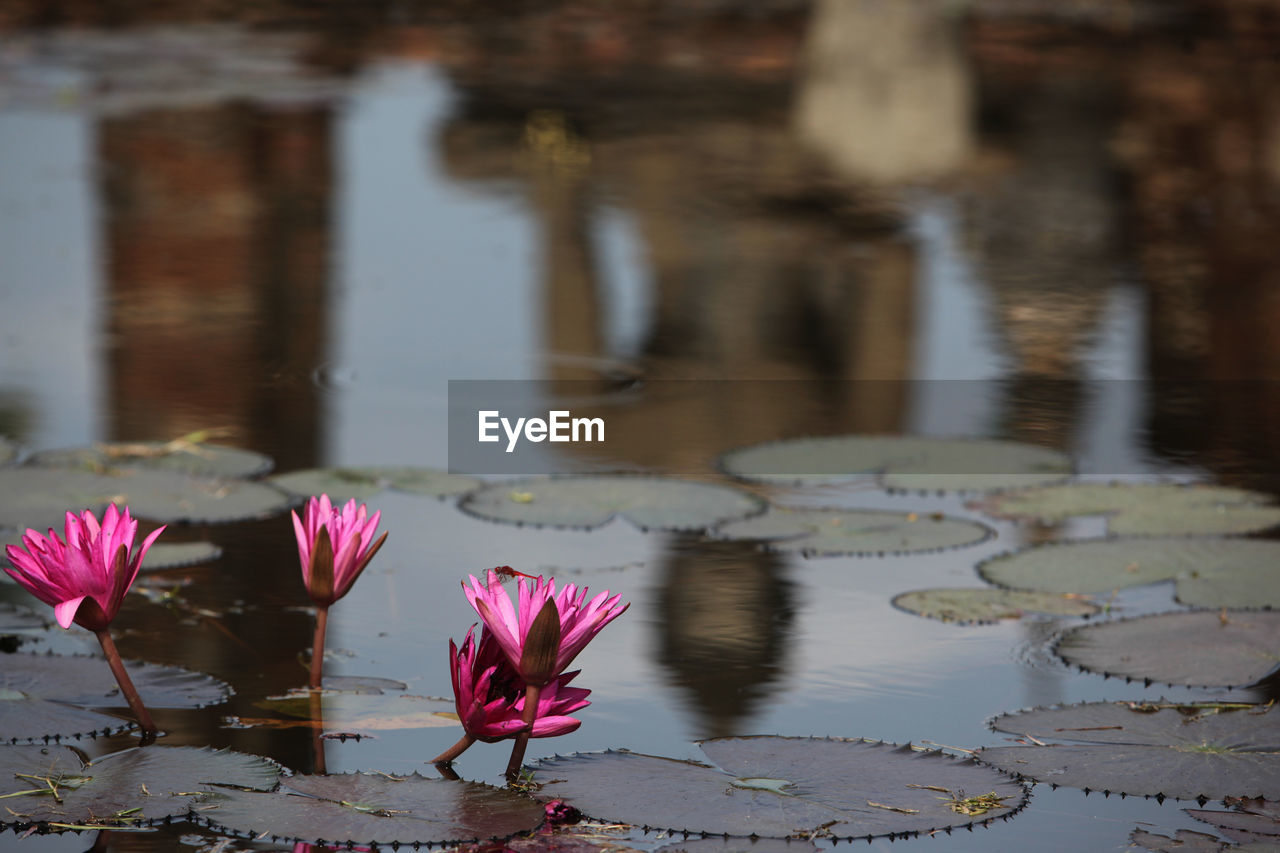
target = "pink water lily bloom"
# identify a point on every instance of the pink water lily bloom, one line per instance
(580, 620)
(490, 696)
(86, 577)
(334, 546)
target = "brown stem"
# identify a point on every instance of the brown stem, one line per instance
(130, 692)
(317, 647)
(317, 734)
(531, 694)
(454, 751)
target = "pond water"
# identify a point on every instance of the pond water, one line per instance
(725, 227)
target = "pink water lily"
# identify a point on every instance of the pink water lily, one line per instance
(490, 696)
(86, 577)
(580, 620)
(334, 546)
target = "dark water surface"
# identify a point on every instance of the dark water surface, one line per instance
(1052, 224)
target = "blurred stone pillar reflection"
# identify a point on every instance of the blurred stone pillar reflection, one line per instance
(885, 92)
(727, 618)
(217, 262)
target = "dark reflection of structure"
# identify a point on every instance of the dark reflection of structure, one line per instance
(1200, 144)
(217, 254)
(216, 247)
(726, 619)
(764, 263)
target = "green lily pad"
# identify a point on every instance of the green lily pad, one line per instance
(130, 788)
(364, 710)
(378, 809)
(900, 462)
(176, 555)
(650, 503)
(1252, 822)
(831, 532)
(990, 605)
(18, 625)
(185, 457)
(161, 555)
(32, 496)
(1210, 572)
(343, 484)
(1183, 841)
(1143, 509)
(1201, 648)
(837, 788)
(1185, 751)
(37, 686)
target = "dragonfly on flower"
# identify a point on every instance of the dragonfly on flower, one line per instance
(506, 575)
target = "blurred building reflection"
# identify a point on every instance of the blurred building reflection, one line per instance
(217, 261)
(728, 618)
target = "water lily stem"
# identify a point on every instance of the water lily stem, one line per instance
(454, 751)
(319, 767)
(317, 647)
(531, 695)
(130, 692)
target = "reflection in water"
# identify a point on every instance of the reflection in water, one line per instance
(216, 262)
(885, 90)
(725, 615)
(759, 161)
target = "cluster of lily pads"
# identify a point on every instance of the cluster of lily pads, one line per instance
(771, 787)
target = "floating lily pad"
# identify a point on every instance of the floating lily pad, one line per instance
(832, 532)
(18, 624)
(185, 457)
(1253, 821)
(1183, 841)
(1210, 572)
(353, 712)
(174, 555)
(1143, 509)
(777, 787)
(161, 555)
(375, 809)
(585, 502)
(32, 496)
(36, 689)
(1202, 648)
(1184, 751)
(130, 788)
(990, 605)
(900, 462)
(342, 484)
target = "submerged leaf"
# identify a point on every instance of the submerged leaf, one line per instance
(1201, 649)
(900, 462)
(353, 712)
(990, 605)
(832, 532)
(51, 685)
(375, 809)
(50, 784)
(38, 497)
(815, 787)
(1184, 751)
(342, 484)
(648, 502)
(174, 555)
(183, 456)
(1143, 509)
(1210, 572)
